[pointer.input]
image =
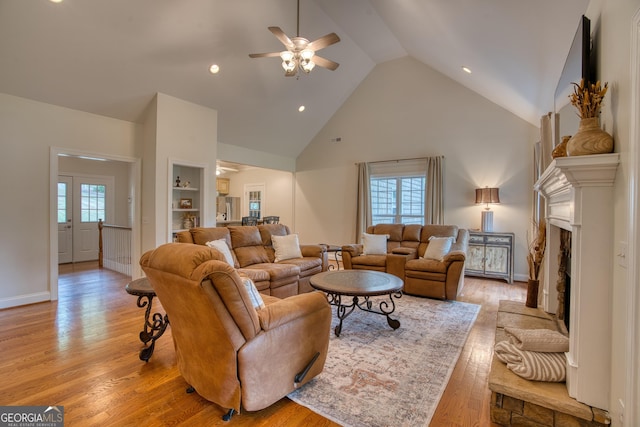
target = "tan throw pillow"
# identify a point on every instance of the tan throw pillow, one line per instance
(222, 246)
(374, 244)
(256, 299)
(540, 340)
(438, 247)
(286, 247)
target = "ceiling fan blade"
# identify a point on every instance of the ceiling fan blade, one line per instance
(324, 41)
(264, 55)
(326, 63)
(284, 39)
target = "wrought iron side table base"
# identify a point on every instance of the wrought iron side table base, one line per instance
(154, 325)
(365, 304)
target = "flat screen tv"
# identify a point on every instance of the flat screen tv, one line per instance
(579, 63)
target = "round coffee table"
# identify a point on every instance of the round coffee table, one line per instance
(359, 286)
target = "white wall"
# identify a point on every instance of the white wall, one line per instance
(246, 156)
(278, 198)
(612, 22)
(27, 131)
(185, 133)
(405, 109)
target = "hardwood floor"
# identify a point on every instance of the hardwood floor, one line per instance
(81, 352)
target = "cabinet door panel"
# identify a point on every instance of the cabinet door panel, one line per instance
(475, 260)
(497, 259)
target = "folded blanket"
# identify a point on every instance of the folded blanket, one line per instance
(532, 365)
(540, 340)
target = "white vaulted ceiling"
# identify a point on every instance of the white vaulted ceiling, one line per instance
(110, 57)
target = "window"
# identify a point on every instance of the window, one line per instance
(397, 199)
(62, 202)
(92, 202)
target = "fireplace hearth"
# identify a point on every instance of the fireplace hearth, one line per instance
(578, 193)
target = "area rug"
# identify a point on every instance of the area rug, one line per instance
(377, 376)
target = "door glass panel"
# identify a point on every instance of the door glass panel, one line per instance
(62, 202)
(92, 202)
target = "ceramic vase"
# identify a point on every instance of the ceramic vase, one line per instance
(532, 293)
(187, 223)
(589, 139)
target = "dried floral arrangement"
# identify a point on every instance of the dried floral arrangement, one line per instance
(587, 98)
(537, 247)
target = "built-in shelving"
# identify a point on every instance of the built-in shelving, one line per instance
(186, 198)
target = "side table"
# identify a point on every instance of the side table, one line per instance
(490, 254)
(154, 328)
(337, 251)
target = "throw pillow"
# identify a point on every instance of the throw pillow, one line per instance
(256, 299)
(222, 246)
(438, 247)
(540, 340)
(374, 244)
(286, 247)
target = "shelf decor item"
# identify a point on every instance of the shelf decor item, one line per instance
(535, 256)
(590, 138)
(186, 204)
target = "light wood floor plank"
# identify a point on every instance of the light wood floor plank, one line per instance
(82, 352)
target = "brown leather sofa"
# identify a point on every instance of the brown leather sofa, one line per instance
(406, 246)
(229, 352)
(254, 256)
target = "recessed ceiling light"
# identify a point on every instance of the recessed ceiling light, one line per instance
(301, 108)
(466, 69)
(55, 1)
(214, 69)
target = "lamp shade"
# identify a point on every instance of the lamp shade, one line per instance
(487, 195)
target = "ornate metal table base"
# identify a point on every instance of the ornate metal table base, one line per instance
(154, 328)
(385, 308)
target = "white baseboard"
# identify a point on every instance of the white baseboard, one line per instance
(24, 299)
(521, 277)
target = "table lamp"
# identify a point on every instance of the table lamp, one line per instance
(487, 195)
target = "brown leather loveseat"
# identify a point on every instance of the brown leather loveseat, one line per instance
(254, 256)
(406, 247)
(229, 351)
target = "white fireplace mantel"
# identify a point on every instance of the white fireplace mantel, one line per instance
(579, 197)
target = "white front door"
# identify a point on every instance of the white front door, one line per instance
(93, 200)
(65, 224)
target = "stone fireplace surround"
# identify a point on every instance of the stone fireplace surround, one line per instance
(578, 194)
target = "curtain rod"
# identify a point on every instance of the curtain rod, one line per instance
(403, 160)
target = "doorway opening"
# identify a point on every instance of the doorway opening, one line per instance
(126, 203)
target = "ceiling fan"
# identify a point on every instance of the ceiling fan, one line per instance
(300, 53)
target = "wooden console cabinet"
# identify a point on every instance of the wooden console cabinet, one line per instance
(490, 254)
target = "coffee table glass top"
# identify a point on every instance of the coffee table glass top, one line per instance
(356, 282)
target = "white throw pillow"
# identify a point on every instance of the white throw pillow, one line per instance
(222, 246)
(438, 247)
(286, 247)
(256, 299)
(374, 244)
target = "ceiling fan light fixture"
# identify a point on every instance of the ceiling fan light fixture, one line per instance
(300, 51)
(307, 66)
(286, 55)
(307, 54)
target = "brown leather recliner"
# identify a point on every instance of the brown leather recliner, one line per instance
(228, 351)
